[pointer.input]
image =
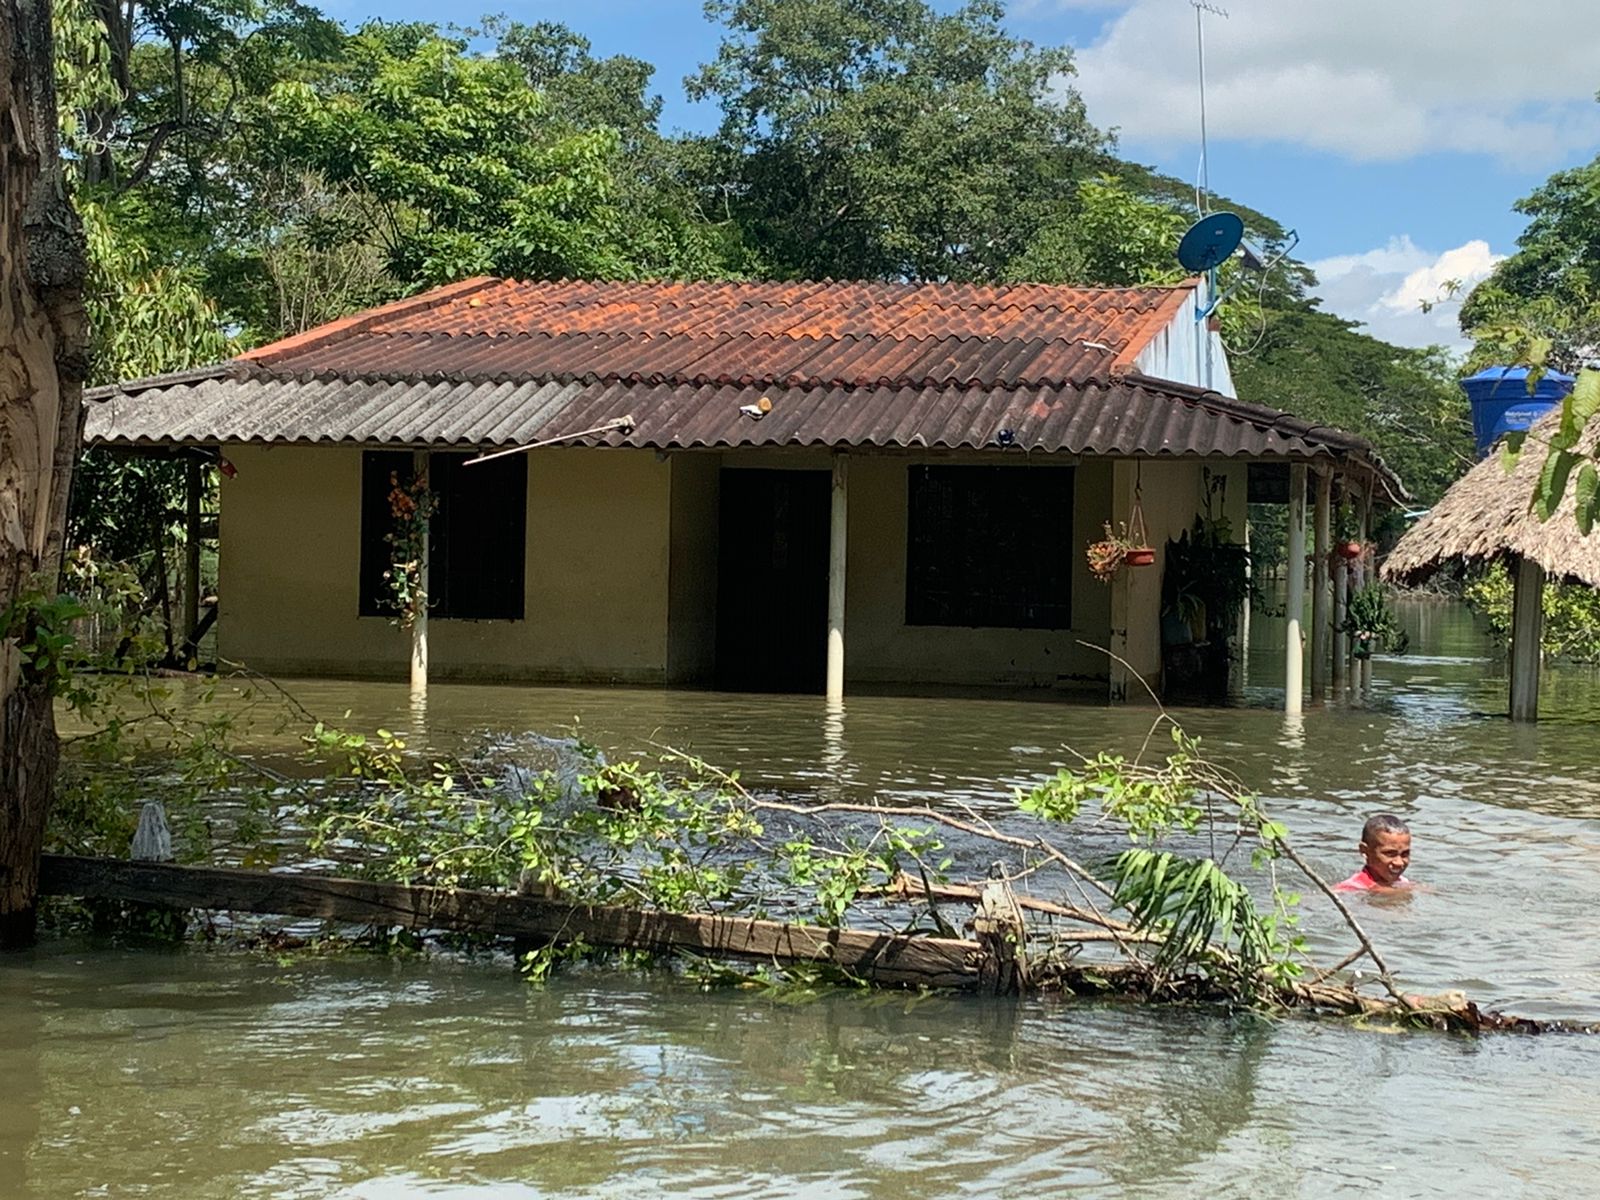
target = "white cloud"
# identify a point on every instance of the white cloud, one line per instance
(1366, 79)
(1385, 289)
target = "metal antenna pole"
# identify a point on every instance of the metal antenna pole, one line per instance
(1202, 186)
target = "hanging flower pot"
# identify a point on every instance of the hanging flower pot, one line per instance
(1350, 550)
(1106, 557)
(1139, 556)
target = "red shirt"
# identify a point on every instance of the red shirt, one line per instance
(1362, 881)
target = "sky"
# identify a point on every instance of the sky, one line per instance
(1394, 135)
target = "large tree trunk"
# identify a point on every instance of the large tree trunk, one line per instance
(43, 362)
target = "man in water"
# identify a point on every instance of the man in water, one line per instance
(1386, 849)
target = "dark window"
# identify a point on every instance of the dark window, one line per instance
(990, 547)
(477, 545)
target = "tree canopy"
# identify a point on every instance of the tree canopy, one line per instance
(252, 169)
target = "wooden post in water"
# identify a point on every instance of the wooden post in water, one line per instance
(419, 603)
(1001, 933)
(1369, 574)
(1322, 547)
(1527, 637)
(1341, 609)
(838, 530)
(192, 486)
(1294, 604)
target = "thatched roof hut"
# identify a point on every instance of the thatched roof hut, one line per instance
(1488, 515)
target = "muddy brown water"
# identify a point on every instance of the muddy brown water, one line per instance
(204, 1073)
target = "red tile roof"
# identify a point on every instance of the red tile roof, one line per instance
(793, 334)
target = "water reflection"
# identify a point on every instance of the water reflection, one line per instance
(388, 1079)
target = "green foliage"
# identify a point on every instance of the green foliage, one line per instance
(411, 505)
(40, 622)
(146, 317)
(881, 139)
(468, 177)
(1571, 613)
(1542, 304)
(1203, 914)
(1201, 917)
(1371, 622)
(1149, 804)
(1541, 307)
(1112, 237)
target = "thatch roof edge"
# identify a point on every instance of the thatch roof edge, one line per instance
(1488, 514)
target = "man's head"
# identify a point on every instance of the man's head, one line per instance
(1386, 847)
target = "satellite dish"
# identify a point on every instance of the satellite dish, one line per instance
(1210, 241)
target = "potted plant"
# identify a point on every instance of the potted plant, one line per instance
(1116, 550)
(1107, 555)
(1346, 532)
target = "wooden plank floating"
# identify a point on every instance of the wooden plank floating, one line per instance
(882, 958)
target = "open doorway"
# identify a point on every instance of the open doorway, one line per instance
(772, 580)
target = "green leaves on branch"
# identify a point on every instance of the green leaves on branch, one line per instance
(1203, 915)
(469, 175)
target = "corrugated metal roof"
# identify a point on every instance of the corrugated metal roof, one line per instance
(489, 362)
(1122, 417)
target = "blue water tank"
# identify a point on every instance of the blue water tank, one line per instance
(1501, 402)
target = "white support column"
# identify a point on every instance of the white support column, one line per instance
(837, 536)
(1295, 603)
(1321, 626)
(1527, 636)
(419, 618)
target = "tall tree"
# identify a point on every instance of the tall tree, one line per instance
(882, 139)
(43, 360)
(1549, 290)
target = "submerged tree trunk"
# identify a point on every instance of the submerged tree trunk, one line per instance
(43, 361)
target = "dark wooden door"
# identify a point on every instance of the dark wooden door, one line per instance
(772, 593)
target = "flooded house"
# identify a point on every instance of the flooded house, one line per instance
(765, 486)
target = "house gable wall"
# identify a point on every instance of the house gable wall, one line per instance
(1176, 352)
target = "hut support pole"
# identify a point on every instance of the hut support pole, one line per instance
(1341, 608)
(1321, 626)
(419, 616)
(192, 486)
(1363, 678)
(1527, 634)
(1294, 606)
(1243, 672)
(839, 525)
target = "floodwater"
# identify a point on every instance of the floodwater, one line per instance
(210, 1073)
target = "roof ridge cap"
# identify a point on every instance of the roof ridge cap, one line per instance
(359, 321)
(146, 383)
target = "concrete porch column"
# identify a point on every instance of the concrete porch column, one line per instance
(1294, 604)
(419, 618)
(1321, 625)
(838, 530)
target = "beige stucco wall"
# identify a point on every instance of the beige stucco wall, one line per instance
(1171, 494)
(880, 647)
(622, 562)
(597, 571)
